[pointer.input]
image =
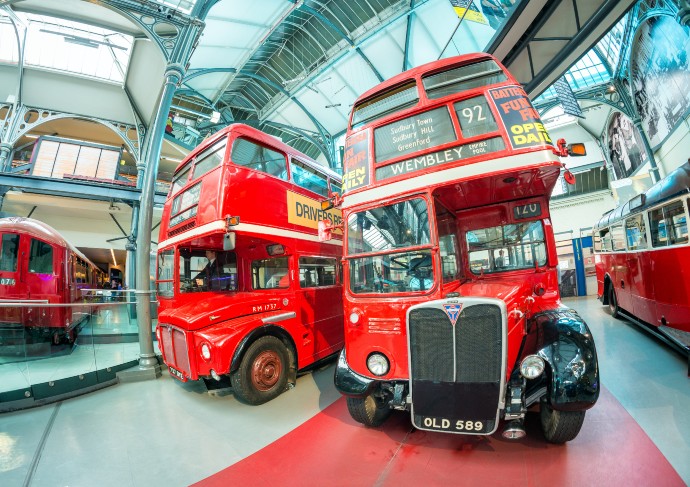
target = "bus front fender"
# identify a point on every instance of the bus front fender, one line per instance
(566, 345)
(349, 382)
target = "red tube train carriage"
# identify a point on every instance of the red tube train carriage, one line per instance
(451, 301)
(38, 264)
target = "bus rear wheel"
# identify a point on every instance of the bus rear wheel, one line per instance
(263, 372)
(369, 410)
(613, 302)
(560, 426)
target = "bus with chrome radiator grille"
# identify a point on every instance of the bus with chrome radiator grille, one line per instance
(248, 295)
(451, 302)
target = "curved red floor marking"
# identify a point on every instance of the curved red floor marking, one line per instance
(332, 450)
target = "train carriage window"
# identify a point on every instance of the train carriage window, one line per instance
(8, 253)
(308, 178)
(270, 273)
(635, 233)
(254, 156)
(316, 271)
(40, 257)
(668, 225)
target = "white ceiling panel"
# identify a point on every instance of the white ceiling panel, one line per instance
(387, 49)
(293, 115)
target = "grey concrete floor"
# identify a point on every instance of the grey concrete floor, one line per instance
(165, 433)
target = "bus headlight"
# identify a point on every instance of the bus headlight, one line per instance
(378, 364)
(532, 367)
(206, 351)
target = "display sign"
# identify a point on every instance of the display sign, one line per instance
(567, 97)
(453, 154)
(526, 211)
(521, 120)
(467, 10)
(307, 212)
(7, 281)
(475, 117)
(413, 134)
(356, 161)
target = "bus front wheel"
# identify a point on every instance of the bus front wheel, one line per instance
(613, 302)
(368, 410)
(263, 372)
(560, 426)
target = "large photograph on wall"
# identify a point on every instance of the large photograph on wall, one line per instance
(625, 148)
(660, 77)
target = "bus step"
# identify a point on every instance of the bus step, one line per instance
(679, 336)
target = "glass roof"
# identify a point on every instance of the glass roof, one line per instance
(184, 6)
(69, 46)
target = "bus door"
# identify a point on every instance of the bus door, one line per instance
(12, 285)
(321, 302)
(637, 263)
(621, 272)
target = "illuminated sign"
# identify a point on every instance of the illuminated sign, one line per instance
(307, 212)
(453, 154)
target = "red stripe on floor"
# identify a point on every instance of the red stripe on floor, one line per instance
(331, 449)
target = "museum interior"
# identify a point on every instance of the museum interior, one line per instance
(233, 235)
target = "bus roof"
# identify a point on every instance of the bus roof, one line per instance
(256, 134)
(676, 183)
(425, 68)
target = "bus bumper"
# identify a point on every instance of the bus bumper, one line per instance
(349, 382)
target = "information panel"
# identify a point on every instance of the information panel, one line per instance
(453, 154)
(413, 134)
(521, 120)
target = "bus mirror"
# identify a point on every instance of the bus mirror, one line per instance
(229, 241)
(325, 230)
(577, 149)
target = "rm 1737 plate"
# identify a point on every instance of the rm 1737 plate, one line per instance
(177, 374)
(452, 425)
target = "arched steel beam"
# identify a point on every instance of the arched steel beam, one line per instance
(407, 37)
(342, 34)
(324, 135)
(305, 31)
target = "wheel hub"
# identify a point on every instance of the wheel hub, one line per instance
(266, 370)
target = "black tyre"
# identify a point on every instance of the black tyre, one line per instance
(560, 426)
(613, 302)
(369, 410)
(263, 372)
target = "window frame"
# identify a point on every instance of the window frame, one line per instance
(317, 286)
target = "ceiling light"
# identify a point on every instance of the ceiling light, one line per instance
(333, 106)
(112, 252)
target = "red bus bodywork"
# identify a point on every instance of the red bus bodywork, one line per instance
(450, 350)
(38, 264)
(279, 306)
(641, 259)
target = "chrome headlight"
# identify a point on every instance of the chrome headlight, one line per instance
(378, 364)
(532, 367)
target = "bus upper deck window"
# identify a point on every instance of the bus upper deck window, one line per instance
(210, 158)
(254, 156)
(8, 253)
(463, 78)
(400, 97)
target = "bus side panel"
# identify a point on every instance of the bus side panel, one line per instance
(644, 304)
(622, 280)
(671, 275)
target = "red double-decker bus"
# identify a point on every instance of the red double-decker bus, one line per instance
(245, 288)
(641, 258)
(451, 300)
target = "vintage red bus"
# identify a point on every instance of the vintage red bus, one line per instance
(641, 259)
(38, 264)
(451, 300)
(246, 291)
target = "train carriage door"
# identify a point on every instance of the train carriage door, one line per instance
(41, 279)
(320, 302)
(12, 285)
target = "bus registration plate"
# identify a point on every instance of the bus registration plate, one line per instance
(453, 425)
(177, 374)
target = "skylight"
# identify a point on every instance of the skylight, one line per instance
(69, 46)
(184, 6)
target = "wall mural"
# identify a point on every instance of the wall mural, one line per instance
(625, 146)
(660, 77)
